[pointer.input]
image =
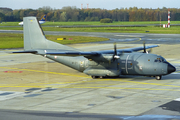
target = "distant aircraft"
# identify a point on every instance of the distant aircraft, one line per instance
(41, 21)
(98, 64)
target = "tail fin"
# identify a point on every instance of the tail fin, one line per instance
(34, 37)
(44, 18)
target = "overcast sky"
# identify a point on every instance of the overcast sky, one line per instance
(103, 4)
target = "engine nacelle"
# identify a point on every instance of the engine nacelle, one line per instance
(102, 72)
(102, 58)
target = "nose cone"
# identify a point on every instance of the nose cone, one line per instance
(171, 68)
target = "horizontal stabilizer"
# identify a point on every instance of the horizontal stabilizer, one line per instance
(34, 52)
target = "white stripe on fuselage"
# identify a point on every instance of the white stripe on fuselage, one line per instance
(126, 64)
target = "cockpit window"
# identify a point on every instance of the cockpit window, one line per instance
(160, 59)
(156, 60)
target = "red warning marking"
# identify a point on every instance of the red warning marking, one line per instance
(13, 71)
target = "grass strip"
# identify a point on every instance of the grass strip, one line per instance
(93, 23)
(148, 29)
(11, 40)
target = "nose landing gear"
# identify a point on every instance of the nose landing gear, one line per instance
(94, 77)
(158, 77)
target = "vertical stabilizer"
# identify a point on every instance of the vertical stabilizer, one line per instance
(34, 37)
(43, 18)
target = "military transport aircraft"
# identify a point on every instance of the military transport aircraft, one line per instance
(98, 64)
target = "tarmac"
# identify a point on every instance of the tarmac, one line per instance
(37, 88)
(34, 83)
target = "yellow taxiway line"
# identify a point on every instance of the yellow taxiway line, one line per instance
(78, 84)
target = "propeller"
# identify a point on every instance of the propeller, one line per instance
(145, 51)
(115, 50)
(144, 45)
(115, 56)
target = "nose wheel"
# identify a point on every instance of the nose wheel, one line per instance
(158, 77)
(94, 77)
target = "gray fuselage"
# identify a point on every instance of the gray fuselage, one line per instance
(128, 64)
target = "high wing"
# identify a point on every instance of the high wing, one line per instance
(92, 53)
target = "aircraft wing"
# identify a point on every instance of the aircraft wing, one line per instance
(73, 53)
(142, 48)
(93, 53)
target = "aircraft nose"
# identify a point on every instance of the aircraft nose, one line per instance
(171, 68)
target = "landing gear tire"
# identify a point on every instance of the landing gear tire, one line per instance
(94, 77)
(158, 77)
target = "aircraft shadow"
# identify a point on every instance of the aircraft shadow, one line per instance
(141, 78)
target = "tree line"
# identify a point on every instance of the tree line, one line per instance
(75, 14)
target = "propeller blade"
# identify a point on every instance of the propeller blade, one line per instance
(115, 56)
(144, 45)
(115, 50)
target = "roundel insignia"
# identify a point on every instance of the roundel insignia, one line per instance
(81, 62)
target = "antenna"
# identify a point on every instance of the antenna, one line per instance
(169, 18)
